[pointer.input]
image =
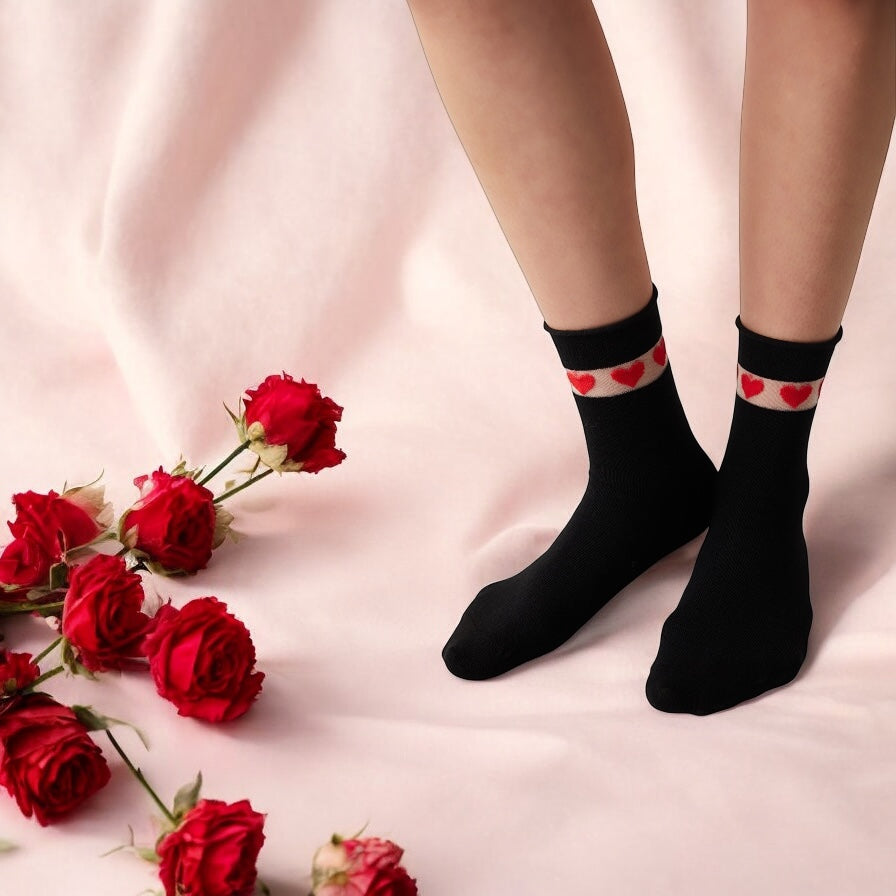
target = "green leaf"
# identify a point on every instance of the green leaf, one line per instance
(262, 887)
(187, 797)
(94, 721)
(32, 594)
(58, 576)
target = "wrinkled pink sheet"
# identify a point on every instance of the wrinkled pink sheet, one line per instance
(195, 195)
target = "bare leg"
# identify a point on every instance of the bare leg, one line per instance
(819, 105)
(533, 95)
(818, 108)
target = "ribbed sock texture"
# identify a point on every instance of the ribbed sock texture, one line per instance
(742, 624)
(649, 491)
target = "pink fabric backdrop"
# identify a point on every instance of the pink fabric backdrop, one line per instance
(195, 195)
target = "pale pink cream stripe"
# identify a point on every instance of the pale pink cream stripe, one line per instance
(777, 395)
(602, 382)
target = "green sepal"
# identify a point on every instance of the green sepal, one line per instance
(354, 836)
(127, 537)
(7, 587)
(86, 484)
(94, 721)
(71, 663)
(145, 852)
(81, 550)
(187, 797)
(232, 415)
(68, 656)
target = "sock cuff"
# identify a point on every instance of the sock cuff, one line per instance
(781, 359)
(603, 382)
(610, 345)
(781, 375)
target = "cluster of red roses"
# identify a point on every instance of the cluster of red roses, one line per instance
(200, 656)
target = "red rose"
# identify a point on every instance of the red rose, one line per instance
(175, 523)
(101, 614)
(365, 867)
(45, 528)
(291, 426)
(201, 659)
(25, 563)
(47, 760)
(53, 518)
(16, 672)
(213, 851)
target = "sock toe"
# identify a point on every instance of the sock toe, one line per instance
(668, 693)
(472, 657)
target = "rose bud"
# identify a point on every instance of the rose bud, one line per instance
(16, 672)
(213, 851)
(48, 762)
(101, 615)
(201, 658)
(174, 524)
(290, 425)
(360, 867)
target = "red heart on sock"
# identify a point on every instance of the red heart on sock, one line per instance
(751, 385)
(581, 381)
(659, 353)
(795, 395)
(630, 375)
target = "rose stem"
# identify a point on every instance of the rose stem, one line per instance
(43, 653)
(45, 676)
(7, 609)
(139, 776)
(246, 484)
(224, 462)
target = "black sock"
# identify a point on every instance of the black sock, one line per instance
(742, 624)
(649, 491)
